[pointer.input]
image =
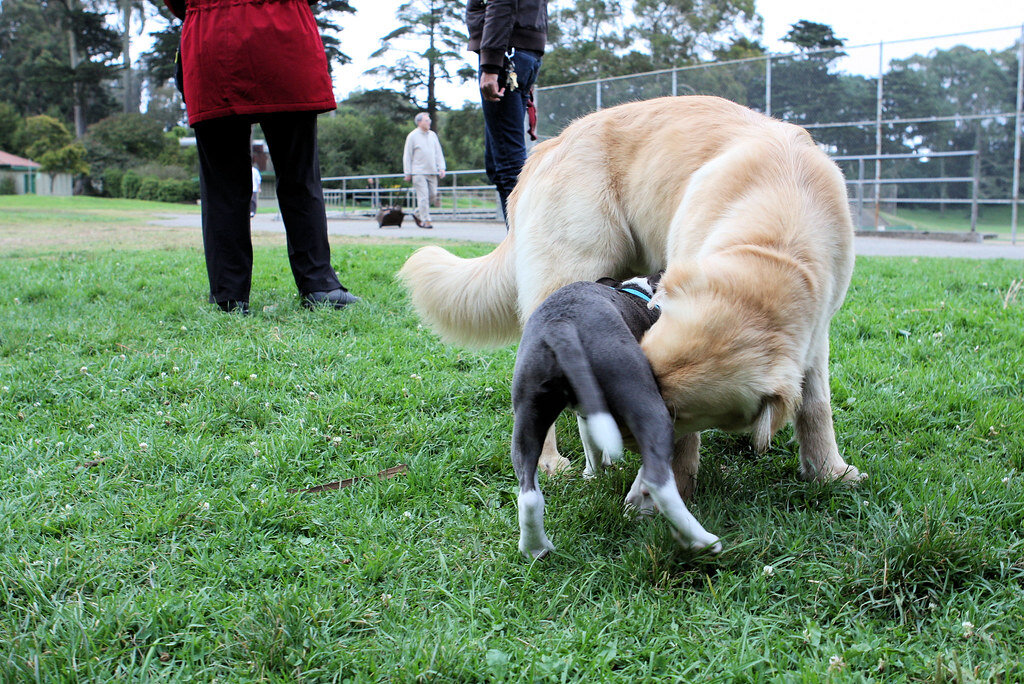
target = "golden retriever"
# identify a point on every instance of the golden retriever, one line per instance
(751, 222)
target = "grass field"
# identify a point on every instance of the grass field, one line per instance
(992, 220)
(147, 443)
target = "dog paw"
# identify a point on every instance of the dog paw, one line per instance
(703, 543)
(538, 552)
(554, 466)
(637, 505)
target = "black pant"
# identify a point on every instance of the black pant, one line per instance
(225, 182)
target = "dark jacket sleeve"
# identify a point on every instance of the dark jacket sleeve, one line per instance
(499, 19)
(177, 7)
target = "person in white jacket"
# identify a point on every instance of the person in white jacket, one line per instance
(423, 163)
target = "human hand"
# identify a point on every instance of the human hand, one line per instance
(441, 174)
(408, 178)
(489, 88)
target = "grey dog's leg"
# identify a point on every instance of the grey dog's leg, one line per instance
(527, 439)
(819, 453)
(685, 462)
(653, 433)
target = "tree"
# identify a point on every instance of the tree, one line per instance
(958, 81)
(68, 159)
(46, 140)
(462, 137)
(326, 13)
(432, 39)
(124, 141)
(65, 71)
(678, 32)
(585, 42)
(9, 122)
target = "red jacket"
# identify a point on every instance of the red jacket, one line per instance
(252, 57)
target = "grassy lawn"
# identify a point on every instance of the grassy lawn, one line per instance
(147, 443)
(991, 219)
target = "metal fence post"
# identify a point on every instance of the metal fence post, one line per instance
(1015, 194)
(974, 191)
(878, 137)
(768, 86)
(860, 193)
(455, 193)
(597, 95)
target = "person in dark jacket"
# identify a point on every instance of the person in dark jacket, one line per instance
(510, 37)
(247, 62)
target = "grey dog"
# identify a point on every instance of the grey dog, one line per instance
(581, 348)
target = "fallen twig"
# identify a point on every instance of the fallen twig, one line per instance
(92, 464)
(341, 484)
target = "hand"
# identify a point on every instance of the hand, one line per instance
(489, 88)
(408, 178)
(441, 174)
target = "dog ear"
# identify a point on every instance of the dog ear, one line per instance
(774, 414)
(654, 279)
(610, 282)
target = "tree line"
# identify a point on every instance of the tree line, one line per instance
(71, 98)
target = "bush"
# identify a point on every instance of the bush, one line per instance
(171, 190)
(7, 186)
(149, 189)
(130, 183)
(113, 182)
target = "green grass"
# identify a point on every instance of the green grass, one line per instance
(181, 556)
(992, 219)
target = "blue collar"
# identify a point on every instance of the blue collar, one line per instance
(639, 293)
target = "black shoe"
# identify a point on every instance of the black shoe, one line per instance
(231, 306)
(416, 218)
(337, 299)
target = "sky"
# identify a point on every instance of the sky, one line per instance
(859, 22)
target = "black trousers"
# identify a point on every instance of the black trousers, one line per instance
(225, 185)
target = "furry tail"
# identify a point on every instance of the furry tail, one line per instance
(471, 302)
(564, 342)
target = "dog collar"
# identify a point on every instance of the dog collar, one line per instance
(642, 295)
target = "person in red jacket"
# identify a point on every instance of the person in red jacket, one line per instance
(246, 62)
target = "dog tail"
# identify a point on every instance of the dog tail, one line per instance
(564, 342)
(471, 302)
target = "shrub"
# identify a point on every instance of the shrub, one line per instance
(149, 189)
(130, 183)
(171, 190)
(113, 182)
(7, 186)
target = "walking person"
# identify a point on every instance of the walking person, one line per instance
(423, 163)
(257, 183)
(510, 37)
(273, 71)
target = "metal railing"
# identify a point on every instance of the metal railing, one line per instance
(460, 197)
(856, 186)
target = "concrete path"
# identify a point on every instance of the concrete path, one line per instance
(493, 231)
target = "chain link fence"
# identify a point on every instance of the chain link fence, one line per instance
(928, 130)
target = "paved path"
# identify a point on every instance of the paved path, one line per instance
(493, 231)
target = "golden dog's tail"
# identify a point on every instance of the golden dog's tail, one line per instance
(471, 302)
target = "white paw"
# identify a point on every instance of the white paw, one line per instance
(535, 551)
(706, 542)
(637, 504)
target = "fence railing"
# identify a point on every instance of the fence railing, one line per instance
(461, 196)
(867, 211)
(867, 101)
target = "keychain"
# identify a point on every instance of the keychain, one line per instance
(511, 79)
